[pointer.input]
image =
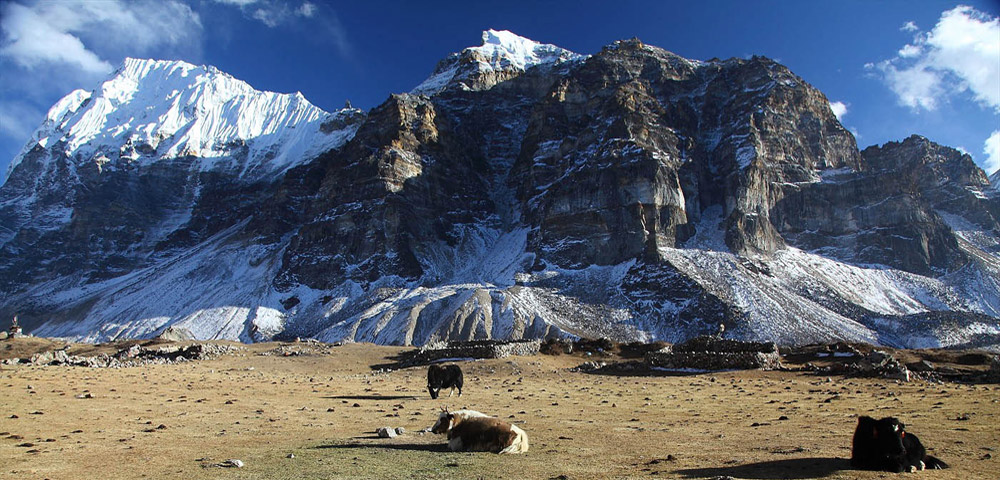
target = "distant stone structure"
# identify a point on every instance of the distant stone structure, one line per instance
(132, 356)
(880, 364)
(475, 349)
(714, 353)
(15, 329)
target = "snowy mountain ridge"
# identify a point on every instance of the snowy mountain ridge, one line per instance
(154, 109)
(521, 191)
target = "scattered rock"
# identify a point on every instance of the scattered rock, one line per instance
(876, 364)
(400, 430)
(386, 432)
(232, 463)
(589, 366)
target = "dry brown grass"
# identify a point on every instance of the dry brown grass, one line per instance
(324, 408)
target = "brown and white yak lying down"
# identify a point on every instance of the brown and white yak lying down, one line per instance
(441, 425)
(471, 431)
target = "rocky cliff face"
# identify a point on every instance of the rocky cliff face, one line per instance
(521, 191)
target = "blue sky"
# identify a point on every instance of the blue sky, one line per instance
(893, 68)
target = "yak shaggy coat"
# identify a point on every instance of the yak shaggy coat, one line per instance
(885, 445)
(485, 434)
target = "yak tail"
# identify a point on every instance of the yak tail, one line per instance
(934, 463)
(520, 443)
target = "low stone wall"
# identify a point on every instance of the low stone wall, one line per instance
(714, 360)
(715, 344)
(711, 353)
(133, 356)
(476, 349)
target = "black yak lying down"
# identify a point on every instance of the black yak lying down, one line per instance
(444, 376)
(886, 445)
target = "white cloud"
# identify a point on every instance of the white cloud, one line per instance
(839, 109)
(909, 27)
(992, 150)
(71, 32)
(272, 13)
(321, 18)
(271, 18)
(238, 3)
(961, 54)
(30, 40)
(916, 87)
(909, 51)
(854, 131)
(49, 48)
(967, 43)
(306, 10)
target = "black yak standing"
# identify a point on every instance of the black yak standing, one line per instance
(886, 445)
(444, 376)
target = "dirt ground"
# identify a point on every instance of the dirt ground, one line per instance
(314, 416)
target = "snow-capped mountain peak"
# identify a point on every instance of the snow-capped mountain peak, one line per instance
(503, 48)
(149, 110)
(502, 55)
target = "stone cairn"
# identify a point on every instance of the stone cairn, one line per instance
(15, 329)
(713, 353)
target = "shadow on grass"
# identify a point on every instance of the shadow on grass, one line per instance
(416, 447)
(372, 397)
(793, 468)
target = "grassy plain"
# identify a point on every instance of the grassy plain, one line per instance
(313, 416)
